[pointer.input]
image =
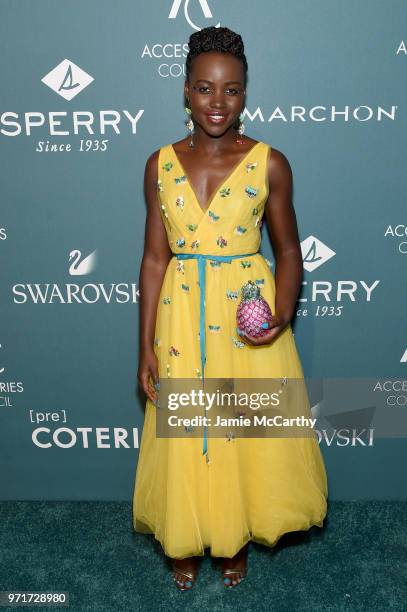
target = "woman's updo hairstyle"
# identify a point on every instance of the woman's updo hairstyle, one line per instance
(215, 39)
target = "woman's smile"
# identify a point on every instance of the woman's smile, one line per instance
(216, 118)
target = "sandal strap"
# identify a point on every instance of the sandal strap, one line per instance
(230, 571)
(188, 575)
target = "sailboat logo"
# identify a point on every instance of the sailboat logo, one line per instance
(86, 266)
(67, 79)
(176, 5)
(315, 253)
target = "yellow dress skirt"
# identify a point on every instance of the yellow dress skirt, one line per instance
(239, 489)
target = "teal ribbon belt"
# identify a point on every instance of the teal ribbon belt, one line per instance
(201, 257)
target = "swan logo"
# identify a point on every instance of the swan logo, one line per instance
(315, 253)
(86, 266)
(176, 5)
(67, 79)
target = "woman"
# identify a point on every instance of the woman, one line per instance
(206, 198)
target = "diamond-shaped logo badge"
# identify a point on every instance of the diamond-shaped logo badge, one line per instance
(67, 79)
(315, 253)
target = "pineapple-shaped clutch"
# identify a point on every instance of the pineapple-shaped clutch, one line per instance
(252, 311)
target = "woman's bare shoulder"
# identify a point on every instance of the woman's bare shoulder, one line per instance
(276, 158)
(151, 166)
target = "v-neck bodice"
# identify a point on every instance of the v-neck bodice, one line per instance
(220, 185)
(232, 220)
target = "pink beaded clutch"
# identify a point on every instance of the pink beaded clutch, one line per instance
(253, 311)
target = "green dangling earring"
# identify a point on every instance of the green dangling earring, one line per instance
(240, 129)
(190, 124)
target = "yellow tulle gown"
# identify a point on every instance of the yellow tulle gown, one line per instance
(246, 488)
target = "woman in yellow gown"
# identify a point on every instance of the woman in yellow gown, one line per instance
(205, 210)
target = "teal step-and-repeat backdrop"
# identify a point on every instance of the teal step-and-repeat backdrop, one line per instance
(88, 91)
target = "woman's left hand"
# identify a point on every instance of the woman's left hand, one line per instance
(276, 324)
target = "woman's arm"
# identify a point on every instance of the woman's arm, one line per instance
(282, 223)
(156, 256)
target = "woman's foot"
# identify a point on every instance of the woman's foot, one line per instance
(234, 570)
(185, 571)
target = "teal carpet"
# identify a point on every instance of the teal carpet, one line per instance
(358, 561)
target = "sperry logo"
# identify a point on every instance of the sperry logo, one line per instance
(67, 79)
(315, 253)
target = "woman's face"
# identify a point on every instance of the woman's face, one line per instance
(216, 86)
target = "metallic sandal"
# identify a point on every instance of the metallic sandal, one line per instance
(228, 582)
(183, 584)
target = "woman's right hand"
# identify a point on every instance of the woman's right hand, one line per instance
(147, 374)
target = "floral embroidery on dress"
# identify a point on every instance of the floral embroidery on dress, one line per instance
(180, 267)
(215, 264)
(230, 436)
(174, 352)
(195, 244)
(157, 341)
(167, 166)
(240, 230)
(168, 370)
(166, 299)
(184, 287)
(221, 242)
(214, 328)
(180, 242)
(224, 192)
(251, 166)
(160, 185)
(245, 263)
(238, 343)
(255, 211)
(212, 216)
(259, 281)
(257, 221)
(232, 295)
(192, 226)
(180, 202)
(251, 191)
(180, 179)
